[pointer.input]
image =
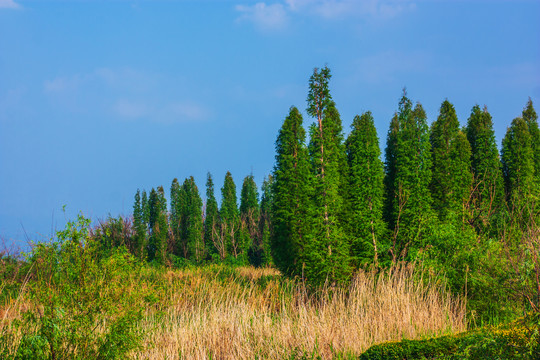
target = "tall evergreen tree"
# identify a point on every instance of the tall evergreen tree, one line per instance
(265, 221)
(145, 206)
(531, 118)
(230, 217)
(327, 152)
(157, 244)
(211, 218)
(488, 189)
(451, 179)
(291, 190)
(366, 190)
(518, 162)
(249, 216)
(412, 210)
(390, 172)
(463, 185)
(176, 216)
(139, 227)
(192, 224)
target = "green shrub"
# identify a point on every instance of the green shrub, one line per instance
(84, 307)
(516, 340)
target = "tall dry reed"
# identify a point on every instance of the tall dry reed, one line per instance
(255, 314)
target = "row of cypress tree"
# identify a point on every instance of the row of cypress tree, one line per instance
(198, 231)
(337, 206)
(332, 205)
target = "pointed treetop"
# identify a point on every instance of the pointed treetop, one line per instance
(319, 93)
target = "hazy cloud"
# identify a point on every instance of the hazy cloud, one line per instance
(520, 75)
(9, 4)
(125, 94)
(265, 17)
(386, 67)
(276, 15)
(130, 109)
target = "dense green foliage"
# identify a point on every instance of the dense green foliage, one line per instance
(211, 219)
(365, 225)
(291, 188)
(451, 176)
(412, 207)
(518, 162)
(488, 190)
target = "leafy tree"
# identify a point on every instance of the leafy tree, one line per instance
(488, 190)
(412, 209)
(291, 189)
(139, 227)
(330, 254)
(366, 190)
(211, 219)
(451, 180)
(230, 217)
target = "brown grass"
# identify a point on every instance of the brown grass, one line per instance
(211, 316)
(218, 312)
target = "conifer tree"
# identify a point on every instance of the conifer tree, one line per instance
(145, 210)
(412, 210)
(488, 189)
(230, 218)
(331, 248)
(157, 244)
(265, 220)
(139, 227)
(531, 118)
(390, 172)
(463, 185)
(211, 219)
(518, 162)
(192, 224)
(451, 178)
(249, 216)
(366, 190)
(175, 218)
(291, 191)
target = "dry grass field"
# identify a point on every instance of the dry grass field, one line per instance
(219, 312)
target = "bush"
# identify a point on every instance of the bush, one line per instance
(516, 340)
(83, 307)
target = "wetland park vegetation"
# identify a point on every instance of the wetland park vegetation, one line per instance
(433, 253)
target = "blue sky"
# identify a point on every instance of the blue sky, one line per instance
(99, 98)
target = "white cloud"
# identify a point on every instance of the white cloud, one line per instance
(265, 17)
(9, 4)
